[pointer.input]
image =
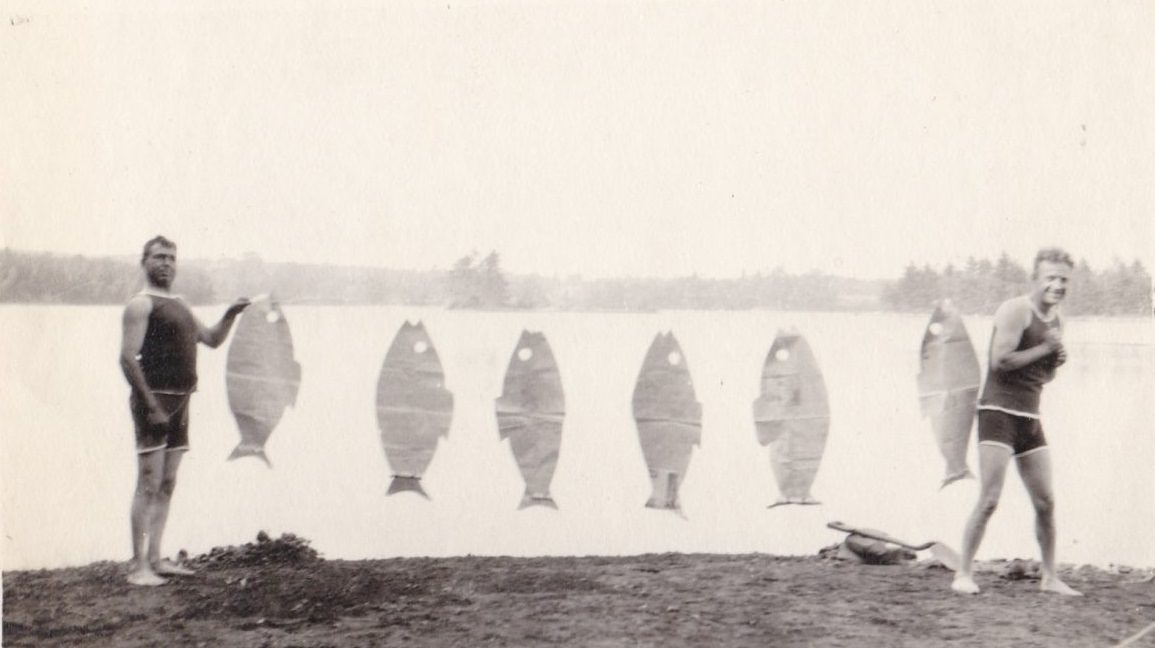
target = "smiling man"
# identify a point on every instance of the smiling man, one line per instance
(1026, 349)
(158, 355)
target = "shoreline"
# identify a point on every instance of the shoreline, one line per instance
(281, 593)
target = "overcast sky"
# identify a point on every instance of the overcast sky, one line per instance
(610, 139)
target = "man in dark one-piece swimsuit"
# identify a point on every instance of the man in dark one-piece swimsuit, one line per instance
(1026, 349)
(158, 356)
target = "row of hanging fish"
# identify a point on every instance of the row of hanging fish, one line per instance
(415, 410)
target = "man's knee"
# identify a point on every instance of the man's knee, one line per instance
(148, 484)
(1044, 505)
(167, 486)
(148, 478)
(987, 505)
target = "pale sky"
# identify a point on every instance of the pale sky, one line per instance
(598, 139)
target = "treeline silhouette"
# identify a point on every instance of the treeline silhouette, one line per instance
(477, 281)
(48, 278)
(979, 286)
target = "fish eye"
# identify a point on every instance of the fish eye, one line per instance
(272, 317)
(936, 328)
(421, 346)
(782, 355)
(674, 358)
(524, 354)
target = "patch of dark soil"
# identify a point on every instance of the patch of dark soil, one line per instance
(286, 579)
(540, 582)
(319, 594)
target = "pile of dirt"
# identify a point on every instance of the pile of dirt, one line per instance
(288, 549)
(283, 579)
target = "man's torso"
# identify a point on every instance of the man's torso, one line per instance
(168, 356)
(1018, 391)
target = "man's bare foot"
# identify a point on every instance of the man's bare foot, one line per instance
(964, 585)
(145, 577)
(1053, 584)
(166, 567)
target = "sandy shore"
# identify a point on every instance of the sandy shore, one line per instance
(279, 593)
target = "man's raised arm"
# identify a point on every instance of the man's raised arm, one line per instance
(215, 335)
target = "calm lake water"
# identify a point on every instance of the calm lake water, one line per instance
(68, 465)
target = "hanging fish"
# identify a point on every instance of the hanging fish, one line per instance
(261, 376)
(413, 407)
(530, 413)
(792, 416)
(948, 386)
(669, 419)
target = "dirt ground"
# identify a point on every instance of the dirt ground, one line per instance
(280, 593)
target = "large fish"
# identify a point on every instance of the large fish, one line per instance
(261, 376)
(792, 416)
(413, 407)
(530, 413)
(948, 386)
(669, 419)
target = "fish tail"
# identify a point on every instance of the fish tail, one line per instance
(656, 502)
(537, 499)
(402, 483)
(243, 450)
(665, 490)
(666, 505)
(799, 501)
(965, 473)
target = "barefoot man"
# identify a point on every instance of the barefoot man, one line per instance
(158, 355)
(1026, 349)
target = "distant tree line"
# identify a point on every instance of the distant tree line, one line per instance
(476, 281)
(980, 286)
(43, 277)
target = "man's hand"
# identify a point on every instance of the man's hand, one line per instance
(157, 415)
(1054, 341)
(237, 306)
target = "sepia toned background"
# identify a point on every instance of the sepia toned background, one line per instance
(614, 140)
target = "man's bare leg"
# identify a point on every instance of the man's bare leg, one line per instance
(150, 468)
(160, 517)
(993, 460)
(1035, 469)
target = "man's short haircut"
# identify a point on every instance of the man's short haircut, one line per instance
(1052, 255)
(156, 240)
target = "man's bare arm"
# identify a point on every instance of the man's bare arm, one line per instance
(135, 326)
(215, 335)
(1010, 322)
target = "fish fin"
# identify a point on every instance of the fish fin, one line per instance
(296, 388)
(403, 483)
(537, 500)
(952, 478)
(250, 451)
